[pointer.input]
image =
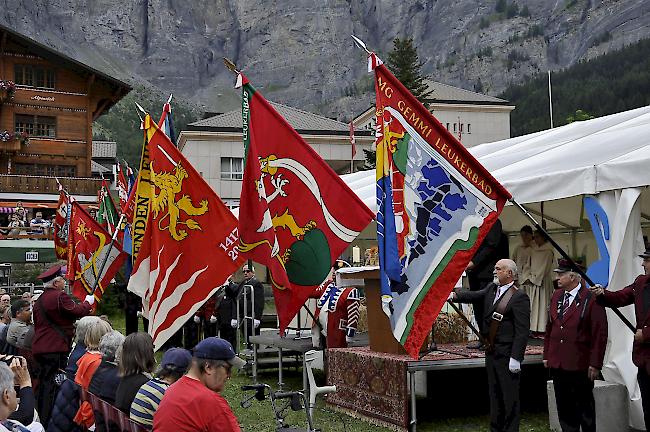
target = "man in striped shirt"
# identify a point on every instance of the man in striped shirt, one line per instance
(174, 364)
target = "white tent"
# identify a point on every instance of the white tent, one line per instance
(550, 172)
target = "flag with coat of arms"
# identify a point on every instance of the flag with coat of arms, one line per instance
(296, 215)
(189, 245)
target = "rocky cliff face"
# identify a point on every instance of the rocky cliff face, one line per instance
(299, 52)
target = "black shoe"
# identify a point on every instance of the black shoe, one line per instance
(476, 345)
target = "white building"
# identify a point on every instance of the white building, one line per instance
(472, 117)
(215, 148)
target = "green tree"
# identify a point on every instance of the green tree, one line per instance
(579, 115)
(524, 12)
(501, 6)
(404, 63)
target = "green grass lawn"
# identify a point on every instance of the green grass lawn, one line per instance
(259, 417)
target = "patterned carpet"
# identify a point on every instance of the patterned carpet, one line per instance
(374, 385)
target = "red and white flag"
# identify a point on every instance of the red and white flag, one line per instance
(189, 247)
(353, 141)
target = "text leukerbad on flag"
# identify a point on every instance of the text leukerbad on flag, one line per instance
(435, 204)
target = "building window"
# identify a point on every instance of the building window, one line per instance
(454, 127)
(447, 126)
(460, 127)
(45, 170)
(232, 168)
(38, 126)
(469, 128)
(34, 76)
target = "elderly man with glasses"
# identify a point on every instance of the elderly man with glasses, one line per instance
(193, 403)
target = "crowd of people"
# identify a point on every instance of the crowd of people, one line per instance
(66, 352)
(19, 220)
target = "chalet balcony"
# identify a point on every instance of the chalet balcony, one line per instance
(48, 185)
(10, 146)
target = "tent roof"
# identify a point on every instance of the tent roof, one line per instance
(606, 153)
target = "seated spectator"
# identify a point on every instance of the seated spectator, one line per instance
(174, 365)
(8, 401)
(81, 327)
(136, 363)
(39, 225)
(106, 378)
(87, 365)
(14, 225)
(193, 403)
(21, 330)
(25, 412)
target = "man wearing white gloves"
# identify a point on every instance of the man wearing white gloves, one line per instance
(54, 315)
(506, 321)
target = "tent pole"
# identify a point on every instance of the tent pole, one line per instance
(574, 267)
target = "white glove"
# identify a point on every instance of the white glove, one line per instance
(139, 314)
(213, 319)
(233, 323)
(514, 365)
(197, 319)
(256, 323)
(451, 297)
(90, 299)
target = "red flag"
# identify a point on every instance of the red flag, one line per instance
(62, 225)
(188, 249)
(122, 186)
(296, 215)
(353, 141)
(89, 245)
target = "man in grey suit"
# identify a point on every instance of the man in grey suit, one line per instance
(506, 321)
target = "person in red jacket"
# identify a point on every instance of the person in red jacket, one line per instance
(54, 315)
(574, 348)
(638, 294)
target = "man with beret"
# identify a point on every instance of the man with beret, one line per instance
(193, 403)
(54, 315)
(638, 293)
(574, 348)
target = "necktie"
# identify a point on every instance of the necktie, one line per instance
(497, 295)
(567, 297)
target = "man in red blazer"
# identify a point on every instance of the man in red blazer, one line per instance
(638, 294)
(574, 348)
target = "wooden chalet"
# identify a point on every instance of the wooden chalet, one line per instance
(48, 102)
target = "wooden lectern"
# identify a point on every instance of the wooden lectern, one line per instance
(380, 333)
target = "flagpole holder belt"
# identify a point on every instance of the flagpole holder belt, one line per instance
(497, 317)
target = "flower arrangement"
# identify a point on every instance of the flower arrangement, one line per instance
(8, 87)
(23, 137)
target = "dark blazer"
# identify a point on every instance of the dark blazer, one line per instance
(633, 294)
(488, 253)
(258, 289)
(578, 339)
(63, 312)
(512, 335)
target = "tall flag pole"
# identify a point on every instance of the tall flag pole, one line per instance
(189, 246)
(122, 185)
(435, 205)
(296, 215)
(107, 213)
(353, 145)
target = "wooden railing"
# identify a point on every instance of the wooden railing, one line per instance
(25, 233)
(10, 146)
(48, 185)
